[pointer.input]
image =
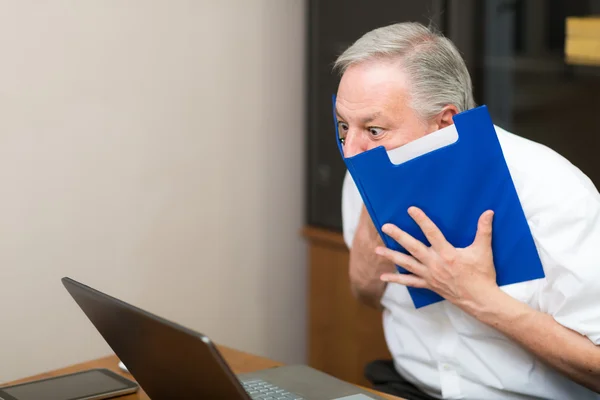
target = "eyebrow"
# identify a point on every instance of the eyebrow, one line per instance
(365, 120)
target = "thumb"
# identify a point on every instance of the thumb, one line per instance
(484, 229)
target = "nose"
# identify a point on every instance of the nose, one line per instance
(355, 143)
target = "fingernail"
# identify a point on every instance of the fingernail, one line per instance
(385, 278)
(385, 228)
(490, 216)
(379, 251)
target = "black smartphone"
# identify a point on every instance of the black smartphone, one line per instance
(92, 384)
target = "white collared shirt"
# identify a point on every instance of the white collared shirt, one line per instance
(449, 354)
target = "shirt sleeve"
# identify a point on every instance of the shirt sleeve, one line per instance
(567, 235)
(351, 208)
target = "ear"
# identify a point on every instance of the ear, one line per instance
(444, 117)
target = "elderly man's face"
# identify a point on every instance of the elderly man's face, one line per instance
(373, 109)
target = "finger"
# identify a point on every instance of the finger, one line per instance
(405, 261)
(484, 229)
(412, 245)
(405, 279)
(435, 237)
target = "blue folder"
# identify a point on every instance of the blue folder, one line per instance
(453, 185)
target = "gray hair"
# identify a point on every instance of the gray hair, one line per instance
(435, 69)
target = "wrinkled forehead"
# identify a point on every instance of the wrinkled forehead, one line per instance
(371, 88)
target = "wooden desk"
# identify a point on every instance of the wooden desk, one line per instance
(239, 361)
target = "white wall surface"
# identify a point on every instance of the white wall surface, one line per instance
(153, 150)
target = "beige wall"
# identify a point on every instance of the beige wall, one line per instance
(153, 150)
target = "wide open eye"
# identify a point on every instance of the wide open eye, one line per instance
(342, 131)
(375, 131)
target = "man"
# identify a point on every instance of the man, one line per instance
(537, 339)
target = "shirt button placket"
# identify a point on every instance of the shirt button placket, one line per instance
(449, 378)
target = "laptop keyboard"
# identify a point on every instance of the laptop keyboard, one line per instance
(259, 389)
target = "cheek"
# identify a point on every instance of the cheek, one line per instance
(396, 139)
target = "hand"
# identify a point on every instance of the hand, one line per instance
(463, 276)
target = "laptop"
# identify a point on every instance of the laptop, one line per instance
(170, 361)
